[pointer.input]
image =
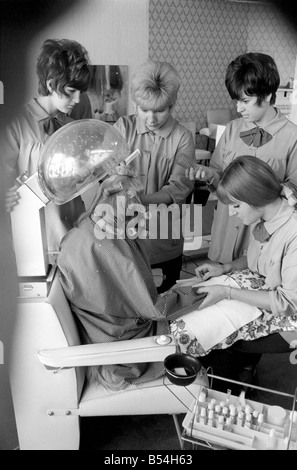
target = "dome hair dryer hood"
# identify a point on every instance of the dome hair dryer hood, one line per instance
(73, 159)
(78, 155)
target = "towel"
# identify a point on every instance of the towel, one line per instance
(213, 324)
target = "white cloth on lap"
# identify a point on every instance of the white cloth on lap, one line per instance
(213, 324)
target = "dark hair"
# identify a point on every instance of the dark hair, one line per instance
(254, 74)
(65, 63)
(248, 179)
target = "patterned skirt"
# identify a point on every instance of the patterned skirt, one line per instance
(264, 325)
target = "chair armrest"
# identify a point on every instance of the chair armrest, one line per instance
(204, 131)
(118, 352)
(201, 154)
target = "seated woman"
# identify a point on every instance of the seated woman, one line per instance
(106, 276)
(267, 274)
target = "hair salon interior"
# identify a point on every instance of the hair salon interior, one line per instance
(198, 37)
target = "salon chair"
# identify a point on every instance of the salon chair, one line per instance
(215, 117)
(48, 376)
(48, 362)
(200, 193)
(202, 156)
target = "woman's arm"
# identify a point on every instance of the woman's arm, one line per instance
(258, 298)
(211, 174)
(283, 299)
(216, 293)
(160, 197)
(178, 186)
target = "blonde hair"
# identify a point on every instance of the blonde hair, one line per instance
(155, 85)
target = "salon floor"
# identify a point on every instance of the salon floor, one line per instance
(274, 372)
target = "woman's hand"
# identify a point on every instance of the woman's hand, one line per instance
(11, 198)
(124, 170)
(208, 270)
(214, 294)
(200, 172)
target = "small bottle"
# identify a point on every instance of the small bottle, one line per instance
(202, 398)
(225, 411)
(213, 401)
(260, 421)
(210, 419)
(201, 404)
(217, 411)
(248, 421)
(202, 417)
(232, 414)
(255, 415)
(240, 418)
(271, 440)
(248, 410)
(221, 423)
(222, 404)
(210, 406)
(228, 425)
(241, 398)
(232, 407)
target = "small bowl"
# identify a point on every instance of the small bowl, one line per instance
(181, 369)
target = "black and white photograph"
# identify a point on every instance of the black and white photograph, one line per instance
(148, 227)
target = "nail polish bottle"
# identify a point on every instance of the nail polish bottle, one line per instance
(201, 404)
(248, 421)
(202, 417)
(240, 418)
(232, 413)
(210, 419)
(228, 425)
(260, 421)
(221, 423)
(225, 412)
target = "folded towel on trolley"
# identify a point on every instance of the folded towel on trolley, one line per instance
(213, 324)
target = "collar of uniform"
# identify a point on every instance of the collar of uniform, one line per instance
(272, 127)
(40, 114)
(280, 218)
(164, 131)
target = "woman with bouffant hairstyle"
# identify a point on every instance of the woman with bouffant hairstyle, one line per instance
(161, 140)
(262, 131)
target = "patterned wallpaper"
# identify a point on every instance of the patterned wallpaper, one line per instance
(269, 32)
(201, 37)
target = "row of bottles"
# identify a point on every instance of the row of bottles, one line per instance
(228, 416)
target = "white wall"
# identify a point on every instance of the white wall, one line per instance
(115, 32)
